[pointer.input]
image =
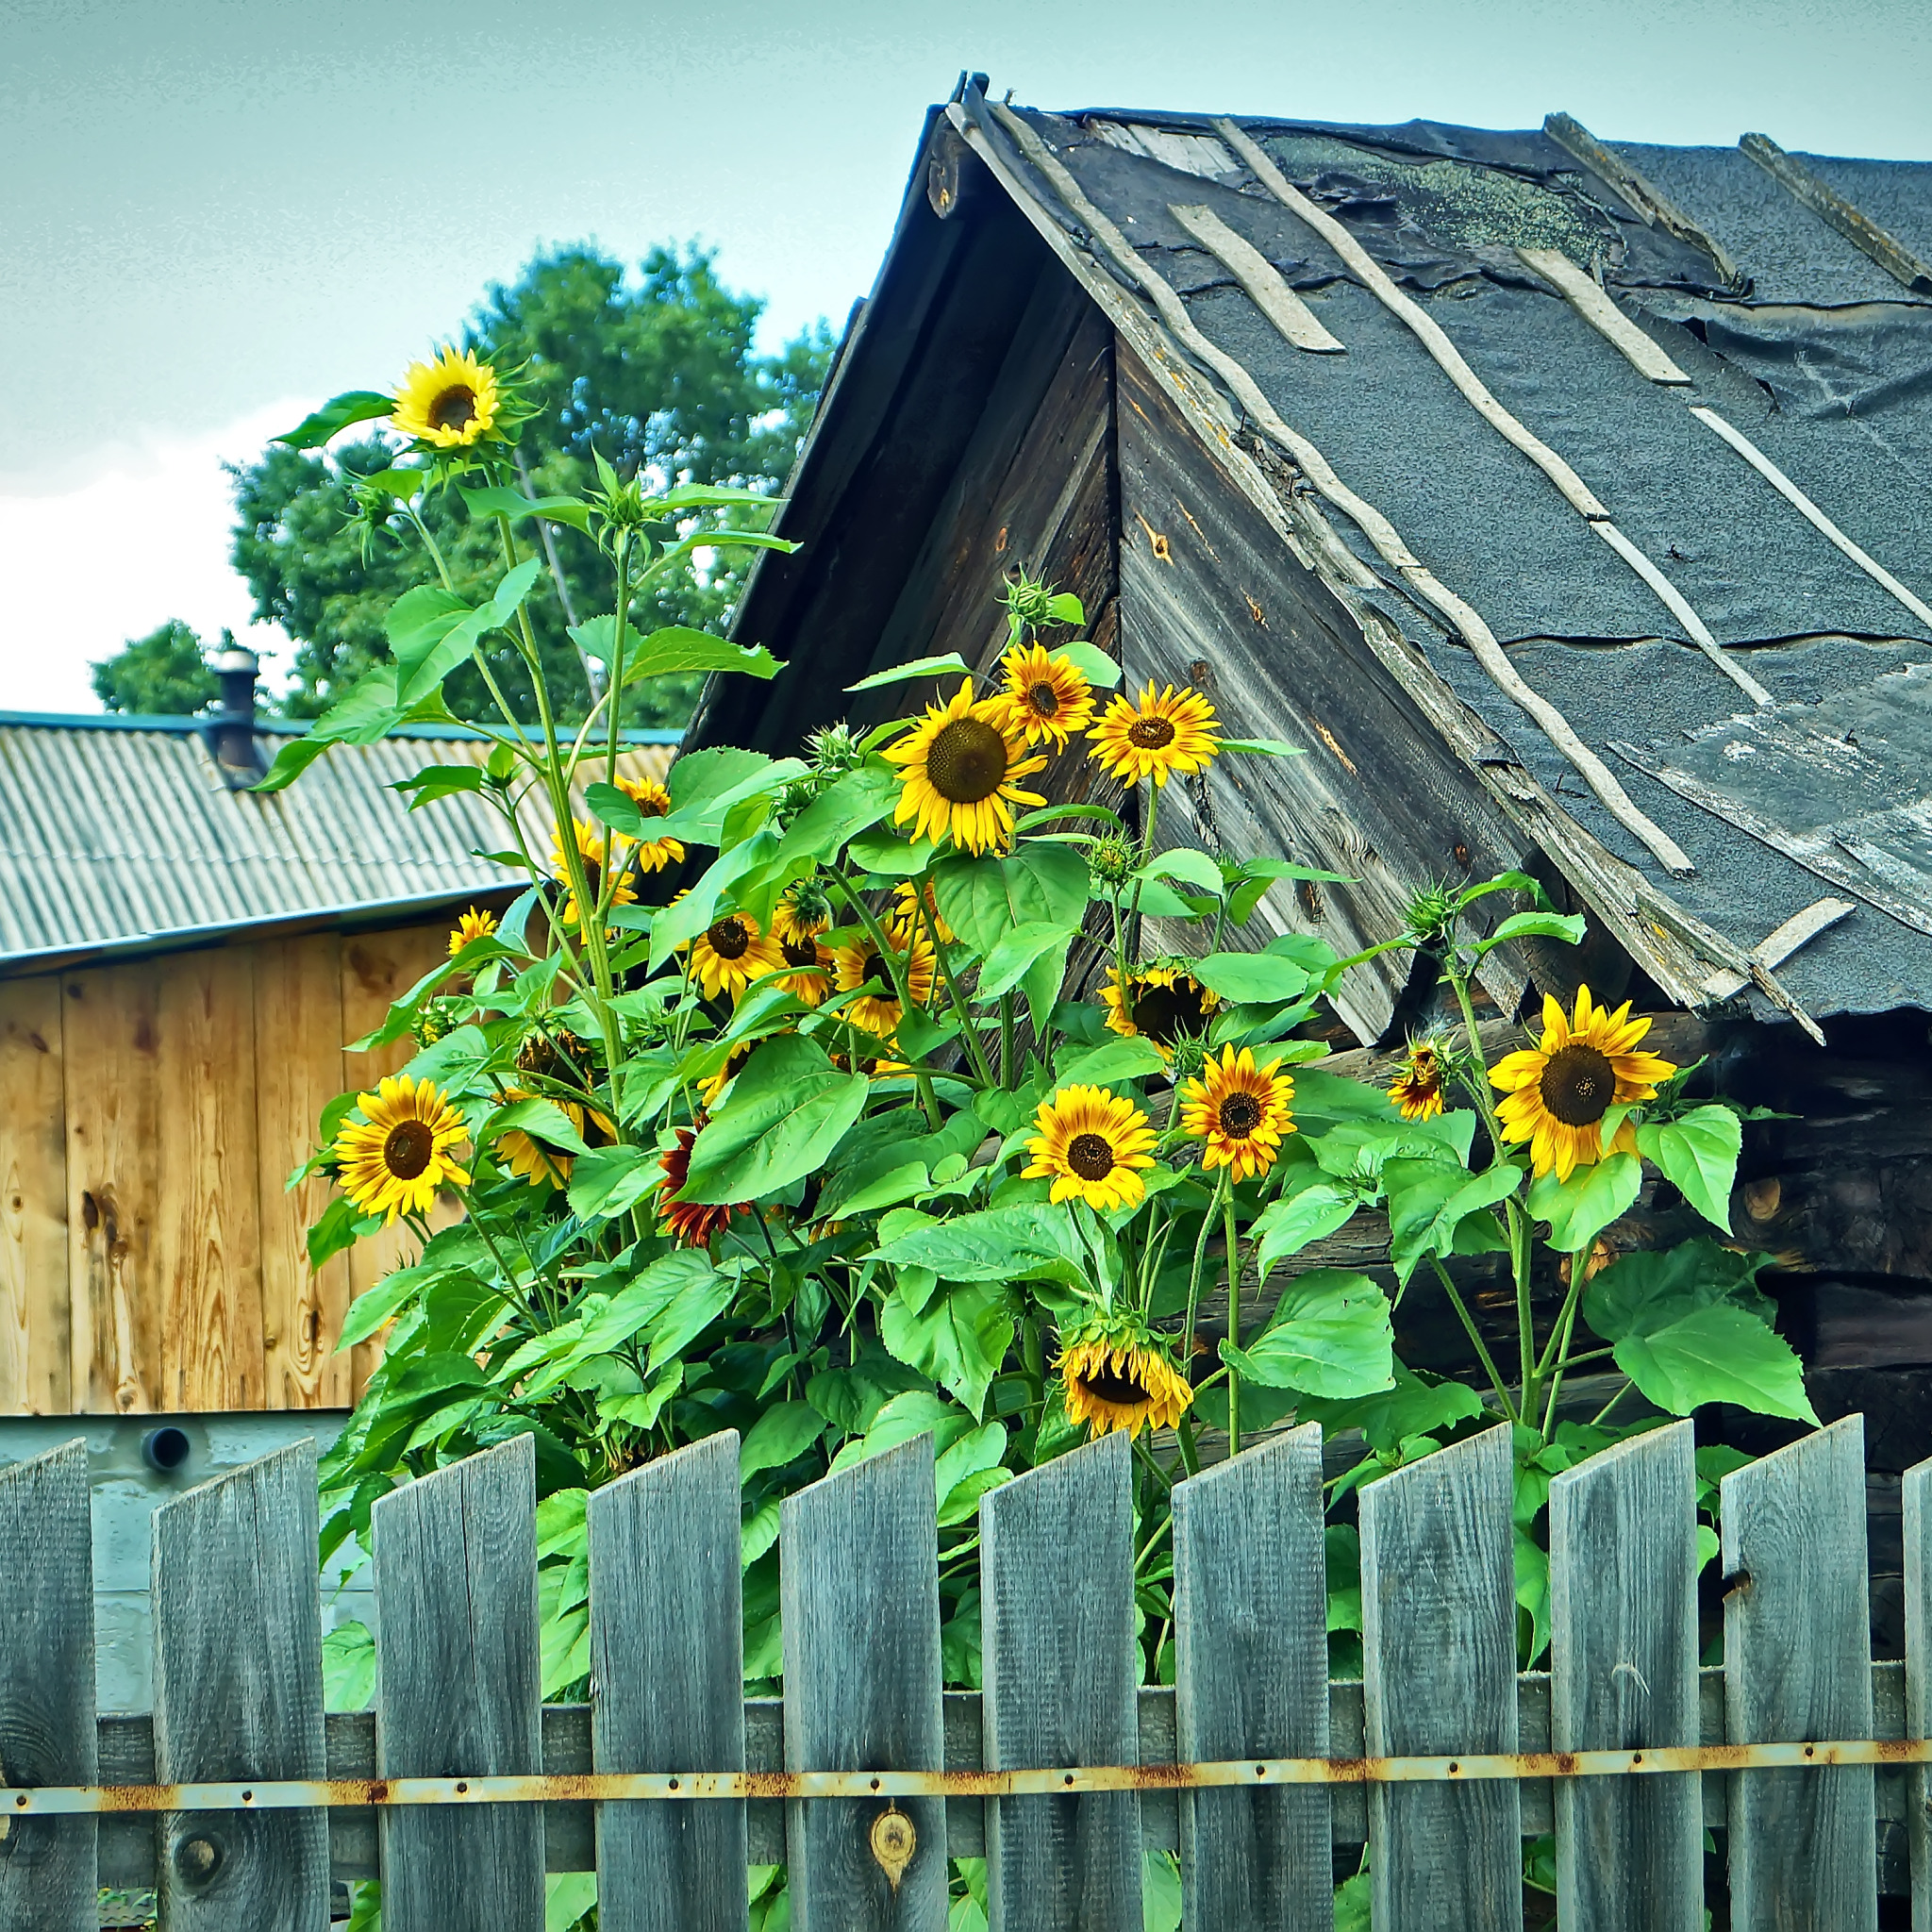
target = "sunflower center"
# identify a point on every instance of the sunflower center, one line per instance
(1151, 733)
(1109, 1385)
(1089, 1156)
(455, 408)
(409, 1149)
(966, 761)
(1241, 1114)
(800, 952)
(1578, 1085)
(730, 938)
(1164, 1013)
(1045, 700)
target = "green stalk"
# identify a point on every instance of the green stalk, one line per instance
(891, 960)
(616, 686)
(1475, 1334)
(1008, 1044)
(924, 914)
(1234, 1324)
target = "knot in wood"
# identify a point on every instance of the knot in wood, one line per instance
(197, 1859)
(894, 1842)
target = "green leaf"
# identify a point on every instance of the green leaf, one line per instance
(1547, 926)
(430, 639)
(1132, 1056)
(501, 500)
(1064, 608)
(982, 899)
(339, 1225)
(1649, 1289)
(677, 647)
(758, 1532)
(1042, 983)
(607, 1180)
(1351, 1908)
(890, 854)
(1391, 1417)
(1424, 1219)
(370, 1310)
(1581, 1207)
(1161, 1892)
(353, 406)
(641, 1410)
(1092, 662)
(1262, 747)
(787, 1109)
(1532, 1568)
(542, 1120)
(1252, 978)
(1698, 1154)
(1329, 1334)
(1010, 961)
(1023, 1242)
(918, 667)
(972, 1455)
(348, 1667)
(568, 1895)
(1718, 1354)
(691, 1312)
(859, 799)
(1285, 1227)
(781, 1435)
(959, 1339)
(439, 781)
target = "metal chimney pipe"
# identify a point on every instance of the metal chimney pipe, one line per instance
(236, 670)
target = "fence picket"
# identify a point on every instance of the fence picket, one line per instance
(1438, 1676)
(1060, 1668)
(667, 1659)
(1251, 1680)
(1623, 1677)
(238, 1694)
(858, 1590)
(48, 1874)
(1916, 1494)
(459, 1684)
(1798, 1666)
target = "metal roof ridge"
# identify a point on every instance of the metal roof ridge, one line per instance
(264, 727)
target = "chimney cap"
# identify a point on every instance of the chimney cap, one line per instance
(236, 659)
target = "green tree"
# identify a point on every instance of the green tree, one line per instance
(656, 374)
(165, 674)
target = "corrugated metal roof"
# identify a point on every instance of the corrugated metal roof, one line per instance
(124, 830)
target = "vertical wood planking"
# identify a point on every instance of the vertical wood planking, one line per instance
(859, 1555)
(1059, 1665)
(1438, 1676)
(48, 1876)
(1797, 1667)
(238, 1694)
(1916, 1493)
(459, 1691)
(667, 1659)
(1251, 1680)
(36, 1320)
(1623, 1677)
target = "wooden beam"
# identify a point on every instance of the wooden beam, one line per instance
(1261, 280)
(1595, 307)
(1831, 208)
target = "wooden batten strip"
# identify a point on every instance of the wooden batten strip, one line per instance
(1261, 280)
(1779, 946)
(1678, 606)
(1595, 307)
(1812, 513)
(1835, 211)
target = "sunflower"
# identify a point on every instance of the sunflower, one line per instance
(590, 852)
(652, 802)
(879, 1013)
(1114, 1376)
(691, 1223)
(961, 761)
(450, 403)
(1417, 1088)
(1560, 1089)
(804, 910)
(1160, 1002)
(1239, 1110)
(729, 954)
(709, 1090)
(396, 1158)
(904, 917)
(1045, 695)
(531, 1157)
(1091, 1142)
(1157, 736)
(471, 925)
(800, 916)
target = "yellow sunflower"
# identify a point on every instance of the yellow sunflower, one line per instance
(709, 1090)
(590, 850)
(471, 925)
(1046, 695)
(803, 912)
(729, 954)
(652, 802)
(879, 1013)
(961, 761)
(1417, 1088)
(1560, 1089)
(1156, 736)
(1113, 1375)
(1239, 1110)
(1161, 1003)
(531, 1157)
(800, 916)
(903, 917)
(1091, 1142)
(396, 1158)
(450, 403)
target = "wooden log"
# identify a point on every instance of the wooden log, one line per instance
(1058, 1665)
(860, 1594)
(1916, 1490)
(238, 1694)
(1798, 1666)
(1251, 1680)
(48, 1877)
(667, 1659)
(1623, 1677)
(459, 1691)
(1438, 1676)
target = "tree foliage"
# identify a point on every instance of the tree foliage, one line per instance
(165, 674)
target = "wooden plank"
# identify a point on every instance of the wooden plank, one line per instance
(48, 1877)
(238, 1694)
(1261, 281)
(460, 1690)
(1623, 1677)
(1797, 1666)
(1836, 212)
(1059, 1663)
(667, 1655)
(859, 1593)
(1915, 1492)
(1251, 1680)
(1438, 1676)
(1778, 945)
(36, 1317)
(1581, 291)
(298, 1069)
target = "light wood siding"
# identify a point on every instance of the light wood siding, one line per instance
(36, 1341)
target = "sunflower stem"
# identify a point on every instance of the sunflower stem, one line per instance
(883, 953)
(1008, 1072)
(614, 691)
(1596, 1421)
(1560, 1342)
(1475, 1334)
(1234, 1322)
(1033, 1352)
(1190, 1453)
(924, 915)
(1200, 1254)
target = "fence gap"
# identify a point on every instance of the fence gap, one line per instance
(667, 1661)
(459, 1691)
(1439, 1676)
(1060, 1665)
(1251, 1680)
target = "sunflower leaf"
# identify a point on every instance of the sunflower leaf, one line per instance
(788, 1110)
(857, 802)
(1130, 1057)
(1185, 863)
(1330, 1334)
(1092, 662)
(678, 648)
(502, 501)
(1698, 1154)
(1718, 1354)
(1647, 1290)
(1254, 978)
(542, 1119)
(1021, 1241)
(427, 649)
(607, 1180)
(1581, 1207)
(1263, 748)
(782, 1434)
(353, 406)
(1286, 1227)
(1428, 1219)
(981, 899)
(1013, 955)
(1546, 925)
(918, 667)
(959, 1339)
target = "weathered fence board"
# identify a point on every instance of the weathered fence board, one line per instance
(860, 1594)
(1438, 1676)
(1916, 1495)
(1058, 1665)
(1798, 1666)
(1623, 1677)
(459, 1691)
(238, 1694)
(667, 1656)
(1251, 1680)
(47, 1733)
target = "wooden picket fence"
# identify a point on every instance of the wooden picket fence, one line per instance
(461, 1788)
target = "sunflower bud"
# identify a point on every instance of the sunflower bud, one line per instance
(1112, 860)
(833, 750)
(1188, 1054)
(1027, 600)
(435, 1020)
(1431, 913)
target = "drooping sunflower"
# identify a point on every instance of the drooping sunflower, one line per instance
(961, 763)
(729, 954)
(1417, 1087)
(1114, 1376)
(471, 925)
(1155, 736)
(530, 1157)
(449, 403)
(691, 1223)
(398, 1157)
(1559, 1090)
(879, 1013)
(1239, 1110)
(1091, 1142)
(1161, 1002)
(709, 1090)
(652, 802)
(905, 918)
(800, 916)
(590, 852)
(1049, 698)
